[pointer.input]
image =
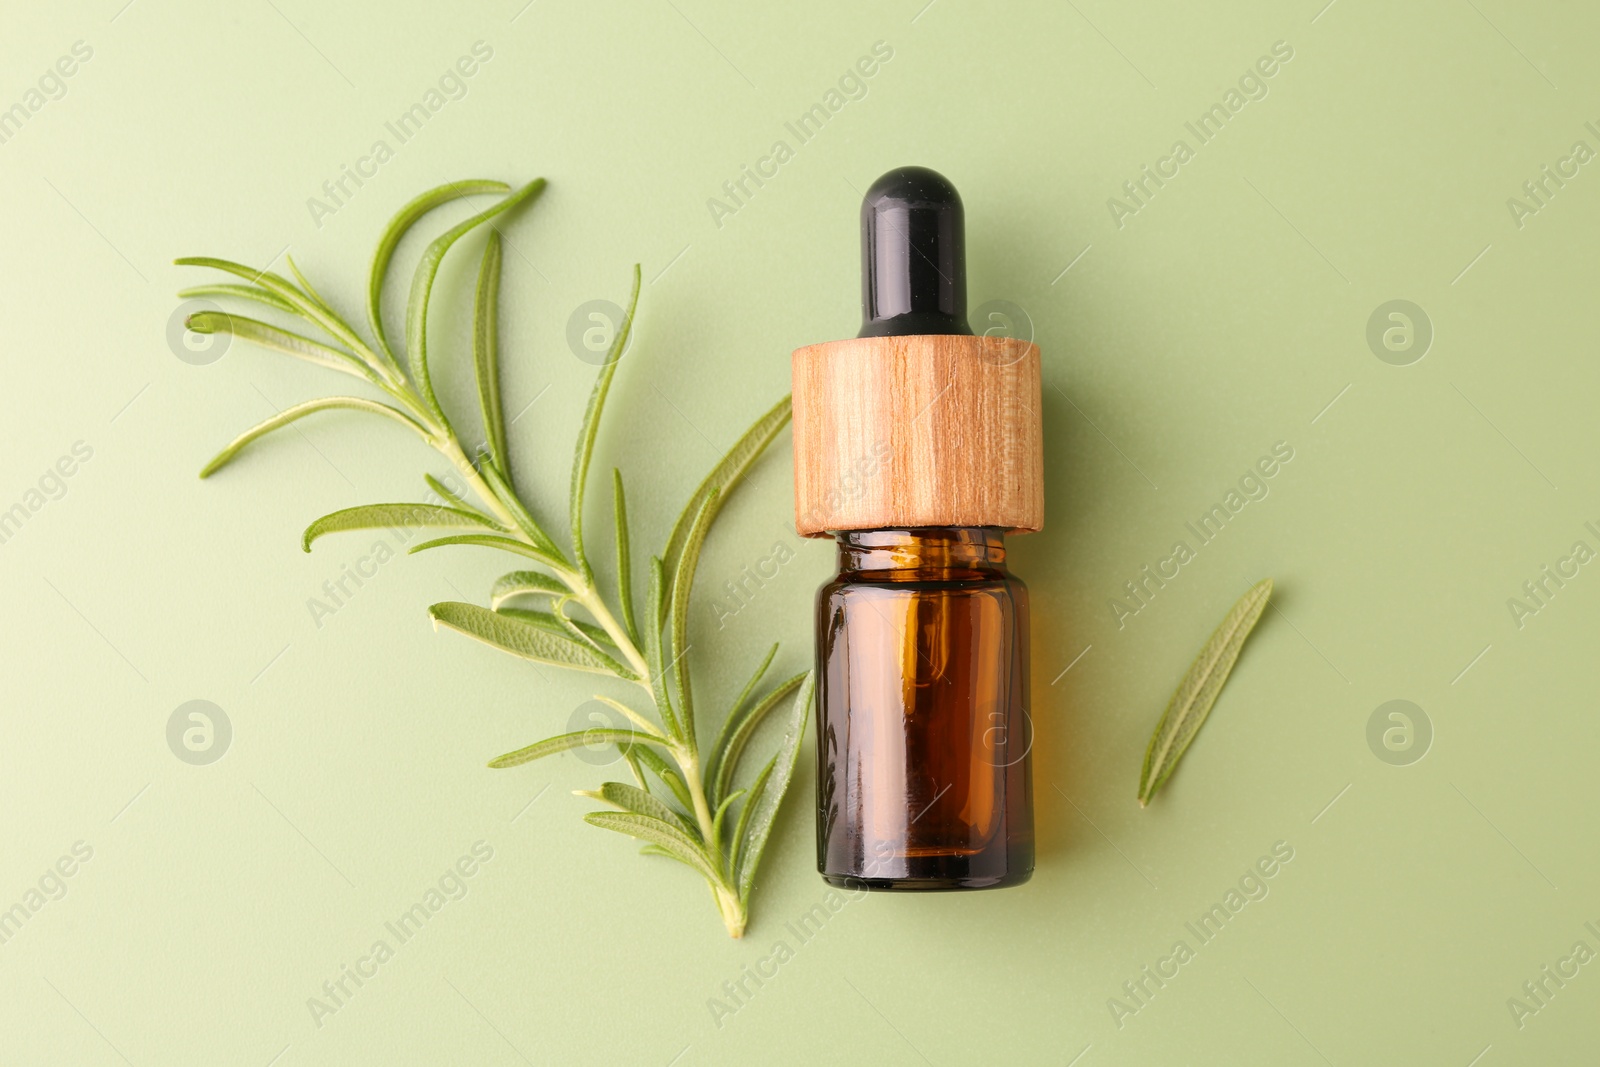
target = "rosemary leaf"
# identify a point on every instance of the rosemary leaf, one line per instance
(562, 742)
(587, 632)
(653, 651)
(722, 813)
(453, 498)
(720, 746)
(486, 353)
(636, 800)
(669, 777)
(1189, 706)
(524, 518)
(391, 516)
(488, 541)
(679, 845)
(300, 411)
(761, 810)
(591, 421)
(682, 583)
(290, 344)
(633, 766)
(307, 288)
(521, 637)
(285, 290)
(419, 302)
(736, 732)
(245, 292)
(619, 506)
(725, 475)
(753, 797)
(402, 222)
(524, 583)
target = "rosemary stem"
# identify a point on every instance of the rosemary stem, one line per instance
(582, 585)
(589, 596)
(735, 914)
(580, 581)
(689, 761)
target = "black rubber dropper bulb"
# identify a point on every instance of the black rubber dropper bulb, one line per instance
(913, 256)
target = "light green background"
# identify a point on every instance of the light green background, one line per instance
(1224, 317)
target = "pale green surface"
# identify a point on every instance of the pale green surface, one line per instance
(1194, 338)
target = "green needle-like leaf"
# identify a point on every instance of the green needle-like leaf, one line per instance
(752, 799)
(307, 288)
(624, 564)
(692, 862)
(389, 517)
(1191, 703)
(591, 421)
(486, 352)
(305, 306)
(631, 798)
(633, 767)
(243, 292)
(737, 732)
(750, 686)
(448, 495)
(663, 835)
(290, 344)
(505, 544)
(730, 723)
(550, 746)
(417, 304)
(725, 475)
(682, 583)
(398, 227)
(507, 494)
(525, 583)
(300, 411)
(756, 821)
(721, 816)
(653, 650)
(556, 624)
(588, 633)
(520, 637)
(455, 500)
(669, 777)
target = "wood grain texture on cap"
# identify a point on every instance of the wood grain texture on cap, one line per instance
(937, 430)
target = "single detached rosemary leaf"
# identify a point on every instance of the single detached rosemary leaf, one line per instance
(1189, 706)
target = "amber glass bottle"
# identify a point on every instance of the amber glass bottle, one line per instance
(917, 450)
(924, 780)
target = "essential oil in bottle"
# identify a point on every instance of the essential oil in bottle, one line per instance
(917, 449)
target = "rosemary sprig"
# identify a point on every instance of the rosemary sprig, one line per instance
(692, 814)
(1191, 702)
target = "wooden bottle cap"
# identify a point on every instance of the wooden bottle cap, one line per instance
(920, 430)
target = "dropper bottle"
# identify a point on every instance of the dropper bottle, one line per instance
(917, 449)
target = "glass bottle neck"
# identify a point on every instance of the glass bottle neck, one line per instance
(934, 551)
